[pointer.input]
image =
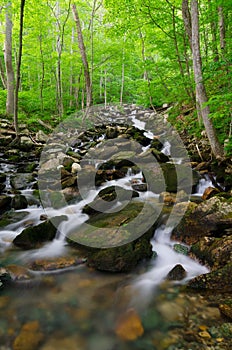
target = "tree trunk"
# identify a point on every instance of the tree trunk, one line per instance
(2, 74)
(200, 87)
(213, 27)
(187, 20)
(222, 30)
(82, 49)
(8, 63)
(18, 69)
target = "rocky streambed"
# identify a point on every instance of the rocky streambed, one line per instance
(116, 193)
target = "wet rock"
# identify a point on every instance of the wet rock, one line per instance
(167, 198)
(181, 249)
(226, 310)
(140, 187)
(5, 203)
(160, 156)
(117, 241)
(215, 252)
(210, 218)
(29, 337)
(56, 263)
(5, 277)
(11, 217)
(219, 280)
(178, 273)
(102, 202)
(33, 237)
(19, 202)
(171, 177)
(104, 152)
(129, 326)
(18, 273)
(21, 180)
(210, 192)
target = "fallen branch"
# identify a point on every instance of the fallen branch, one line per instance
(45, 125)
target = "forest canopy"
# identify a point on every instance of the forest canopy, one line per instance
(136, 52)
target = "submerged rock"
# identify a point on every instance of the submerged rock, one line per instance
(129, 326)
(29, 337)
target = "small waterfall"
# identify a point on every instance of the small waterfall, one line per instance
(167, 258)
(204, 183)
(166, 148)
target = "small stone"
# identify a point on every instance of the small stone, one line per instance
(204, 334)
(129, 326)
(177, 273)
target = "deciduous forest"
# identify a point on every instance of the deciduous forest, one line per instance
(60, 56)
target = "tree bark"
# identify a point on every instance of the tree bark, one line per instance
(18, 77)
(2, 74)
(217, 149)
(187, 20)
(8, 62)
(222, 30)
(88, 84)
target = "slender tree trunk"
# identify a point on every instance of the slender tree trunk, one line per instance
(18, 77)
(82, 49)
(213, 28)
(2, 74)
(187, 20)
(8, 62)
(200, 87)
(186, 87)
(105, 87)
(222, 30)
(43, 72)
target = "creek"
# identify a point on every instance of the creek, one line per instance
(84, 309)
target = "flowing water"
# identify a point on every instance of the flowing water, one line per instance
(82, 309)
(78, 308)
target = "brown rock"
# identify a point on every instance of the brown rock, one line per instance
(129, 326)
(210, 192)
(226, 310)
(29, 337)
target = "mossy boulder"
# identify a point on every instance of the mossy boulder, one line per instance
(19, 202)
(117, 241)
(215, 252)
(5, 203)
(33, 236)
(219, 280)
(210, 218)
(108, 198)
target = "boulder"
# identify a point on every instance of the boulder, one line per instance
(5, 203)
(210, 218)
(21, 180)
(107, 198)
(19, 202)
(117, 241)
(219, 280)
(33, 236)
(215, 252)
